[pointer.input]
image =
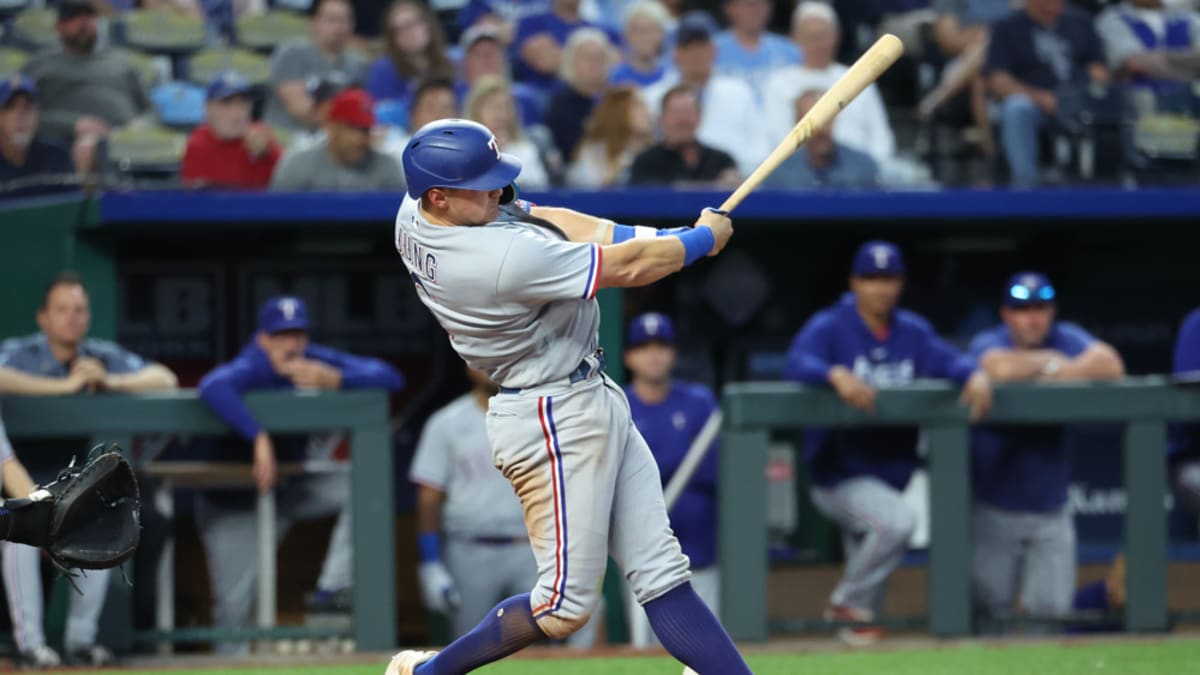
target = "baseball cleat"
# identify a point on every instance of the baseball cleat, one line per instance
(864, 634)
(406, 662)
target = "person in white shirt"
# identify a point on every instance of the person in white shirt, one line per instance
(730, 119)
(863, 125)
(490, 102)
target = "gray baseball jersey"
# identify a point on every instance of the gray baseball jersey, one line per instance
(508, 293)
(454, 457)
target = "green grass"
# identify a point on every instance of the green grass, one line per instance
(1174, 657)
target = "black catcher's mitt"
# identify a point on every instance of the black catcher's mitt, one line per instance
(95, 513)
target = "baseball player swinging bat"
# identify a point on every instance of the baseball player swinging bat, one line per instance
(865, 70)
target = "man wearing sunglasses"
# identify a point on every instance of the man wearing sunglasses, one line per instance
(1024, 538)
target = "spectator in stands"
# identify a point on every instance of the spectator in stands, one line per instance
(863, 125)
(822, 161)
(322, 90)
(483, 53)
(1021, 522)
(500, 15)
(61, 359)
(961, 33)
(617, 131)
(345, 161)
(433, 100)
(229, 150)
(28, 165)
(680, 158)
(84, 92)
(1037, 56)
(587, 59)
(280, 356)
(289, 105)
(491, 104)
(731, 120)
(863, 342)
(1184, 449)
(414, 50)
(746, 50)
(541, 44)
(1151, 45)
(645, 33)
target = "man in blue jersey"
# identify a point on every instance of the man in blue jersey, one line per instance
(280, 356)
(862, 342)
(1184, 450)
(670, 414)
(1024, 538)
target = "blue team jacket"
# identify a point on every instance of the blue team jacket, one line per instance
(669, 428)
(911, 350)
(250, 370)
(1023, 468)
(1185, 438)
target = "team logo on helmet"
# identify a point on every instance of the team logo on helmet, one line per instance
(494, 146)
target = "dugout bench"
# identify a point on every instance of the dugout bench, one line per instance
(753, 410)
(117, 418)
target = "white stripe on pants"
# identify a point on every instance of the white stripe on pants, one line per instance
(23, 586)
(876, 526)
(707, 584)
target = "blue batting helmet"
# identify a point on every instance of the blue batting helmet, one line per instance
(456, 154)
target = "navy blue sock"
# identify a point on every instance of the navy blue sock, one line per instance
(689, 631)
(507, 629)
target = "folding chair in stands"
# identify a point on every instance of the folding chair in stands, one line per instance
(264, 32)
(163, 32)
(206, 63)
(146, 154)
(149, 72)
(11, 61)
(34, 28)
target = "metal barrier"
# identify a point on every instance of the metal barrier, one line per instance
(754, 410)
(117, 418)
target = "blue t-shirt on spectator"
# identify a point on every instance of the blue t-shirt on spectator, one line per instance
(552, 25)
(1042, 57)
(31, 354)
(512, 11)
(910, 349)
(1024, 468)
(383, 83)
(850, 169)
(625, 74)
(754, 67)
(669, 428)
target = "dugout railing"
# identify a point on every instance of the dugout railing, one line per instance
(754, 411)
(362, 415)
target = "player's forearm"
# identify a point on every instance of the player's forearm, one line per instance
(1098, 362)
(1006, 365)
(16, 382)
(579, 227)
(429, 509)
(151, 378)
(639, 262)
(17, 481)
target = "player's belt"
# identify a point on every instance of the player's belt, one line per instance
(498, 541)
(587, 367)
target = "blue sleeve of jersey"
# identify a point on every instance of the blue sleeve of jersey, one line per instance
(940, 359)
(811, 355)
(473, 11)
(222, 390)
(1073, 340)
(359, 372)
(119, 360)
(982, 342)
(1187, 345)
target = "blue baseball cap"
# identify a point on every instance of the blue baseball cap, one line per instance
(227, 84)
(1027, 289)
(651, 327)
(695, 26)
(878, 259)
(14, 85)
(283, 313)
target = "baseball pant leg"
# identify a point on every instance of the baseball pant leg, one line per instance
(477, 578)
(875, 515)
(1050, 565)
(641, 635)
(558, 448)
(996, 552)
(83, 614)
(229, 535)
(318, 496)
(23, 586)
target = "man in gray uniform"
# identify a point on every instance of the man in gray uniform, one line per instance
(515, 290)
(61, 359)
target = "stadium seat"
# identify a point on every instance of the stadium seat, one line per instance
(163, 32)
(35, 29)
(264, 32)
(11, 61)
(146, 151)
(206, 63)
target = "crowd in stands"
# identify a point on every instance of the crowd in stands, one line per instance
(579, 90)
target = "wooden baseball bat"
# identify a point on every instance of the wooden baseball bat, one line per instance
(696, 453)
(865, 70)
